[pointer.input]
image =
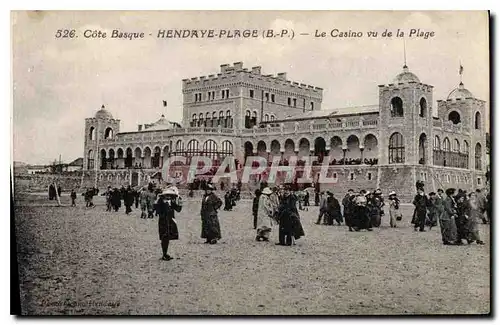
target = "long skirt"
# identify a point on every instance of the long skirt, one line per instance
(472, 226)
(264, 226)
(361, 218)
(210, 227)
(167, 228)
(447, 231)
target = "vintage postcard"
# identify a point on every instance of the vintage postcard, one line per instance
(251, 162)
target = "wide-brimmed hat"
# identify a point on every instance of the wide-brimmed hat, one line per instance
(169, 191)
(210, 186)
(378, 191)
(392, 193)
(267, 191)
(368, 192)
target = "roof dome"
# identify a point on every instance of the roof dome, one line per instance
(460, 93)
(406, 76)
(161, 124)
(103, 113)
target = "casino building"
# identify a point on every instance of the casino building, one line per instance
(242, 112)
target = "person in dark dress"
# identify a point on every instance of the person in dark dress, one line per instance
(116, 201)
(255, 207)
(136, 197)
(421, 202)
(461, 219)
(52, 192)
(361, 214)
(73, 198)
(228, 202)
(333, 210)
(168, 203)
(290, 226)
(210, 227)
(348, 204)
(128, 199)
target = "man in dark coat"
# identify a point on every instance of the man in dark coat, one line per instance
(210, 227)
(460, 218)
(228, 202)
(446, 221)
(128, 199)
(255, 207)
(421, 202)
(52, 192)
(168, 203)
(289, 220)
(136, 197)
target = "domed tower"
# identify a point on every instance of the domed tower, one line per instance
(98, 129)
(464, 115)
(405, 120)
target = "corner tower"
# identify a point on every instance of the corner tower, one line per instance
(100, 128)
(406, 117)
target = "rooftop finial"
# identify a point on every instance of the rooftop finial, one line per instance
(461, 71)
(102, 106)
(404, 54)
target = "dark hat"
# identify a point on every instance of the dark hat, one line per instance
(450, 191)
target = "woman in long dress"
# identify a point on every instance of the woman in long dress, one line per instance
(290, 226)
(474, 216)
(265, 214)
(394, 211)
(168, 203)
(210, 227)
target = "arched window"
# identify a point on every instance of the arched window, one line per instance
(227, 147)
(466, 147)
(128, 157)
(214, 119)
(210, 148)
(446, 144)
(179, 146)
(194, 121)
(155, 160)
(90, 159)
(477, 121)
(437, 143)
(273, 117)
(423, 107)
(193, 146)
(229, 119)
(454, 117)
(247, 119)
(92, 133)
(397, 107)
(221, 118)
(396, 149)
(477, 155)
(208, 122)
(266, 118)
(200, 120)
(456, 146)
(108, 134)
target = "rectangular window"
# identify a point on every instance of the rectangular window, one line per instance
(267, 97)
(209, 95)
(369, 176)
(335, 175)
(289, 101)
(251, 93)
(227, 93)
(479, 181)
(272, 98)
(295, 102)
(351, 176)
(223, 94)
(312, 106)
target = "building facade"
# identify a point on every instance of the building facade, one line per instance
(240, 112)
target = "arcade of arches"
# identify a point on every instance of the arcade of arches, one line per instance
(154, 157)
(352, 152)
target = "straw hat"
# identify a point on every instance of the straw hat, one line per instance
(392, 193)
(169, 191)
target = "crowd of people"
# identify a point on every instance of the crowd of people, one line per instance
(458, 214)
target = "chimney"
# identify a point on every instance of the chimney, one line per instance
(256, 70)
(223, 67)
(282, 75)
(238, 65)
(139, 128)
